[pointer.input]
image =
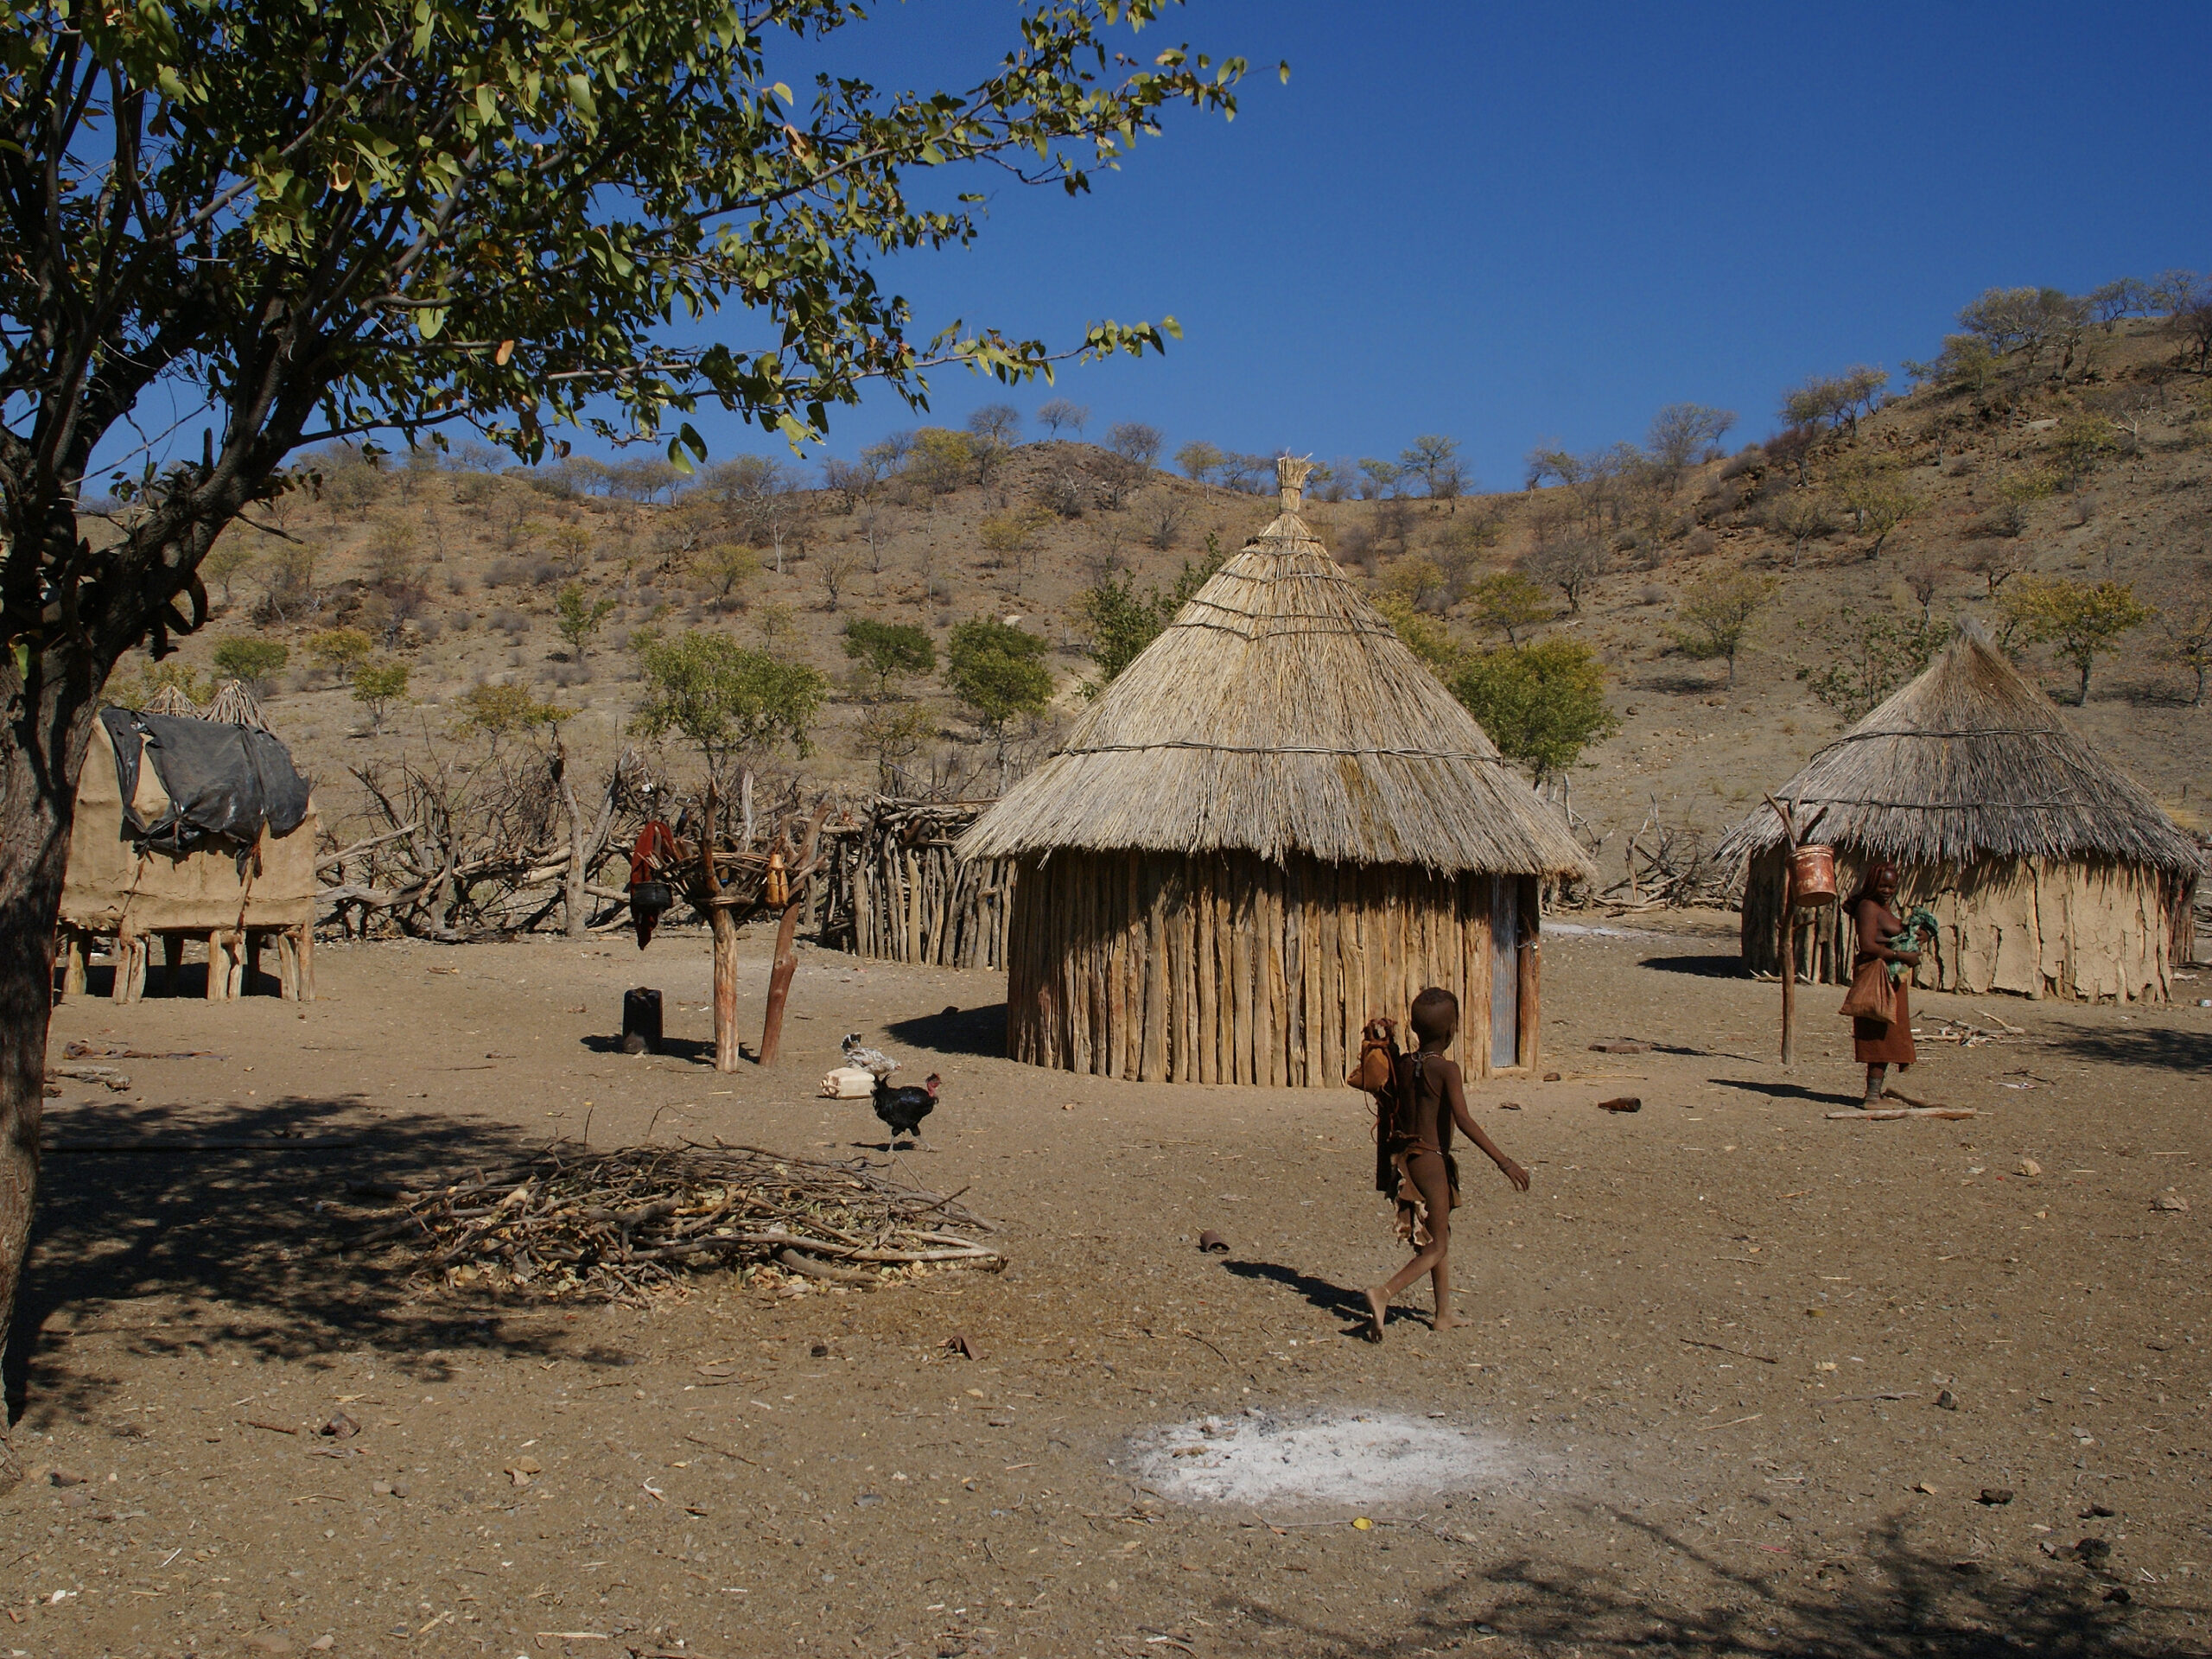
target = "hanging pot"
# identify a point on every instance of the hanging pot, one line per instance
(1811, 876)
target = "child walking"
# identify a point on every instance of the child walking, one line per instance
(1415, 1130)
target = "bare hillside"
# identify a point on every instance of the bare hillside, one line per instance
(458, 571)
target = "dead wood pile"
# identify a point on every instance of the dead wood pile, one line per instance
(616, 1226)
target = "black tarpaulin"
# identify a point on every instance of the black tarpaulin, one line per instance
(224, 781)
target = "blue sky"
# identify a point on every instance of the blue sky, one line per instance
(1510, 224)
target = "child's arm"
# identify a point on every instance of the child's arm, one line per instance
(1456, 1098)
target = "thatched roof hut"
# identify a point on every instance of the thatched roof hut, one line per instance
(2053, 872)
(1274, 824)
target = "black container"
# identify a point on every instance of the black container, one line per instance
(651, 898)
(641, 1020)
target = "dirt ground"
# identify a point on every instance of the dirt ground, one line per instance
(1738, 1377)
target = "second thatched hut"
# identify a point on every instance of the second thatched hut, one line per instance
(2052, 872)
(1274, 825)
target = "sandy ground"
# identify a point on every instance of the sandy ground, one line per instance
(1736, 1377)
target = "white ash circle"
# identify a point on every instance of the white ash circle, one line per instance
(1348, 1457)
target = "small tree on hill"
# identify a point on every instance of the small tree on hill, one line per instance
(2186, 621)
(892, 735)
(1870, 657)
(340, 651)
(500, 711)
(1434, 459)
(723, 699)
(1057, 413)
(1200, 460)
(251, 658)
(998, 670)
(2078, 620)
(1542, 704)
(1569, 560)
(1874, 492)
(1714, 616)
(577, 617)
(1135, 441)
(228, 560)
(1509, 602)
(1681, 436)
(997, 424)
(889, 651)
(378, 687)
(1424, 635)
(1121, 622)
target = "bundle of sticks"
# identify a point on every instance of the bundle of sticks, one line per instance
(618, 1226)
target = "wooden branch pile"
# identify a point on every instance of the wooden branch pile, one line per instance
(617, 1226)
(1667, 864)
(897, 893)
(462, 849)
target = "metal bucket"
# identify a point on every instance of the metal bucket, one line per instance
(1812, 877)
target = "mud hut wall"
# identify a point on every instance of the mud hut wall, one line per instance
(2079, 930)
(1226, 967)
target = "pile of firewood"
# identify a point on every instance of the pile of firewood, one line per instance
(617, 1226)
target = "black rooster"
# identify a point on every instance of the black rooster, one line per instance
(903, 1109)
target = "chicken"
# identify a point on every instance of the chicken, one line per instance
(903, 1109)
(869, 1059)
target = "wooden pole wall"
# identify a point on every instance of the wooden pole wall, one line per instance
(1227, 969)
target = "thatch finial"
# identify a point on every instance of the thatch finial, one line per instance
(1291, 474)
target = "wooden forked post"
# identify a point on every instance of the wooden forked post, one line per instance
(1789, 933)
(786, 959)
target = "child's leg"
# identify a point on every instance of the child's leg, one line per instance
(1429, 1175)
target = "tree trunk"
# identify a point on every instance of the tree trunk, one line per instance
(38, 796)
(572, 897)
(725, 931)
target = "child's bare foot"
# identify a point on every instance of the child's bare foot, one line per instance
(1446, 1322)
(1378, 1311)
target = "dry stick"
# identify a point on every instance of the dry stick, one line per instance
(1741, 1353)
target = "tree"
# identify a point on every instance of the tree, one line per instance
(889, 651)
(1424, 635)
(505, 710)
(1420, 582)
(998, 670)
(1713, 615)
(2185, 620)
(1542, 704)
(1871, 656)
(941, 460)
(1683, 434)
(340, 651)
(1434, 459)
(2079, 619)
(1801, 518)
(1995, 560)
(286, 225)
(892, 736)
(1200, 460)
(1135, 443)
(726, 568)
(1057, 413)
(1873, 491)
(1569, 560)
(995, 424)
(1378, 480)
(725, 700)
(251, 658)
(377, 687)
(577, 616)
(228, 560)
(851, 481)
(2081, 441)
(1509, 602)
(1121, 622)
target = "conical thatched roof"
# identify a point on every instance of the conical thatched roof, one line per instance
(1969, 761)
(1278, 714)
(234, 705)
(171, 700)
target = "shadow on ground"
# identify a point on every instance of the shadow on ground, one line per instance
(218, 1235)
(979, 1031)
(1714, 965)
(1325, 1295)
(1885, 1600)
(2158, 1046)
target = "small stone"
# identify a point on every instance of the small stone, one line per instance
(2092, 1552)
(1946, 1400)
(381, 1488)
(2171, 1203)
(270, 1642)
(66, 1478)
(2030, 1167)
(340, 1427)
(1996, 1496)
(323, 1643)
